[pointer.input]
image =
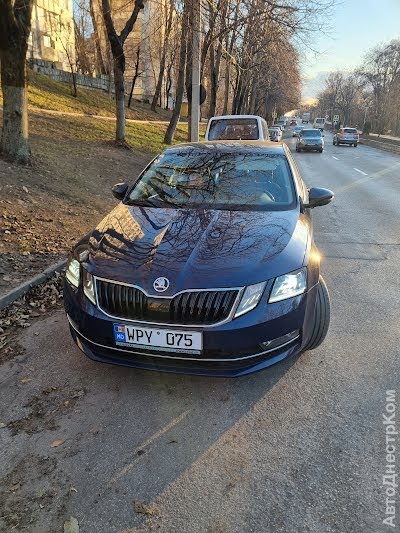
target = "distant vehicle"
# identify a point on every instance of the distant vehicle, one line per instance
(293, 122)
(297, 130)
(281, 124)
(310, 139)
(306, 117)
(275, 133)
(319, 123)
(237, 128)
(346, 136)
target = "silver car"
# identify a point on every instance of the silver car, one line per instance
(310, 139)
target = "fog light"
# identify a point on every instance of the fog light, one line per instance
(281, 341)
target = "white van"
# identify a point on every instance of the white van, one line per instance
(319, 124)
(237, 128)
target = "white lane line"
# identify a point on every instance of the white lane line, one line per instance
(337, 159)
(360, 171)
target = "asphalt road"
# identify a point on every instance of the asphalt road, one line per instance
(299, 447)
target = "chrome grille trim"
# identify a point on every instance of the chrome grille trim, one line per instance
(232, 297)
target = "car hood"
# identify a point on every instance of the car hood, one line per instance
(196, 248)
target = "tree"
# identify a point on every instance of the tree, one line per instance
(169, 10)
(15, 27)
(180, 84)
(117, 49)
(381, 70)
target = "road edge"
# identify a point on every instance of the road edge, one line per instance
(22, 289)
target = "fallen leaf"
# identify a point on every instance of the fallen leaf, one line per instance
(71, 525)
(25, 380)
(2, 425)
(14, 487)
(25, 189)
(143, 508)
(73, 489)
(56, 443)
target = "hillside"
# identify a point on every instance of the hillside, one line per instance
(45, 93)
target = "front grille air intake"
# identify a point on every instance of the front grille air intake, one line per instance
(189, 307)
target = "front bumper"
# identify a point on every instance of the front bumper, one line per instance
(231, 349)
(311, 146)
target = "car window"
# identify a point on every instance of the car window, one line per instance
(234, 129)
(242, 180)
(310, 133)
(350, 130)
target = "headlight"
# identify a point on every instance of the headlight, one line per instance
(88, 286)
(73, 272)
(289, 285)
(250, 298)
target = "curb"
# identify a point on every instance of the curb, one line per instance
(22, 289)
(381, 145)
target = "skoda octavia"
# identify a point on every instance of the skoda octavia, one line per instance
(207, 265)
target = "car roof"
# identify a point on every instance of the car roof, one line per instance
(227, 146)
(233, 116)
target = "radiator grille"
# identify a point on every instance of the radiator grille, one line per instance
(191, 307)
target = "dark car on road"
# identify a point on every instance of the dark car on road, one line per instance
(207, 265)
(346, 136)
(310, 139)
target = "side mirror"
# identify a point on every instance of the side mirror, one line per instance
(119, 190)
(317, 197)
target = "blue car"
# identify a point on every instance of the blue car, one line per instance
(207, 265)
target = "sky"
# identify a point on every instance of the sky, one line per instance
(356, 26)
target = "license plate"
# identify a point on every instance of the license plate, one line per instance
(167, 340)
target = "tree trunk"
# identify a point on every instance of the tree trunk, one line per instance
(119, 101)
(15, 27)
(180, 85)
(99, 56)
(14, 139)
(136, 75)
(157, 92)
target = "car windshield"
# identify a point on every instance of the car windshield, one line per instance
(234, 129)
(241, 180)
(311, 133)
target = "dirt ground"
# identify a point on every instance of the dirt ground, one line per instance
(46, 207)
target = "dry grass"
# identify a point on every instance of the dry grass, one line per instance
(45, 93)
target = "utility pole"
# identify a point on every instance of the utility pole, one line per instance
(195, 114)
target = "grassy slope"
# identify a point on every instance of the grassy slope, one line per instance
(45, 93)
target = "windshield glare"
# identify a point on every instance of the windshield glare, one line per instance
(237, 180)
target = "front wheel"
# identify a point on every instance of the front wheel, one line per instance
(322, 316)
(320, 151)
(355, 145)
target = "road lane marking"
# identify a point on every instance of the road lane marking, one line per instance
(360, 171)
(377, 175)
(337, 159)
(147, 443)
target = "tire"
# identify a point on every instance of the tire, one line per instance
(320, 151)
(334, 144)
(321, 317)
(355, 145)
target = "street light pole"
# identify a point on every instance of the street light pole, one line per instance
(195, 114)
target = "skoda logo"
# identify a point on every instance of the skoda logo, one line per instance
(161, 284)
